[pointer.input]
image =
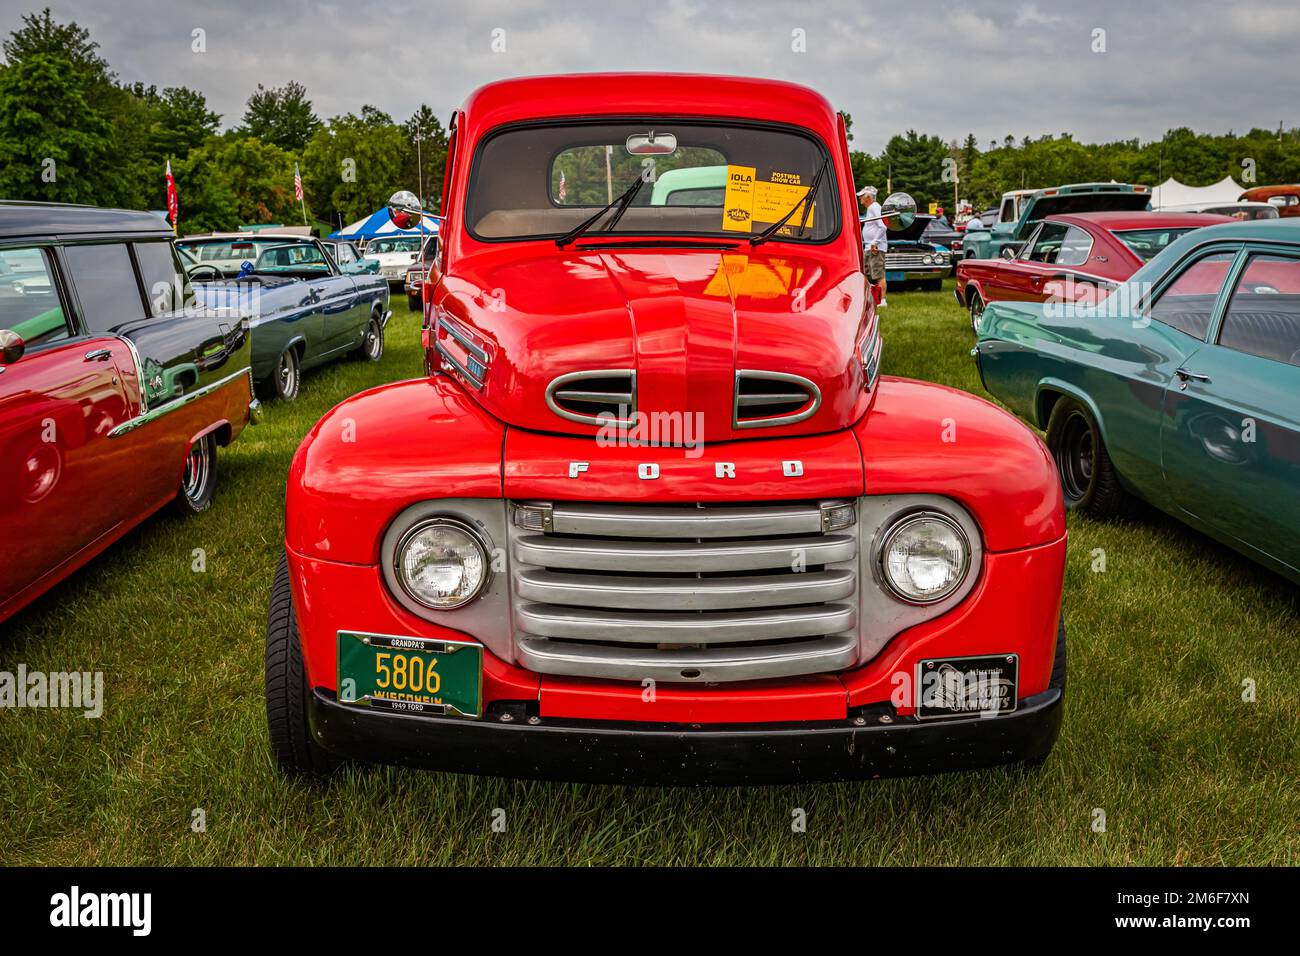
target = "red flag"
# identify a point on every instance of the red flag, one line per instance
(173, 201)
(297, 183)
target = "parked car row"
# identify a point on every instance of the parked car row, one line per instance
(304, 307)
(816, 584)
(126, 360)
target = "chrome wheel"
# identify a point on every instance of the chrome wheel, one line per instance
(197, 468)
(199, 480)
(287, 376)
(976, 312)
(373, 347)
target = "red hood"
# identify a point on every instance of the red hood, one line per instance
(685, 320)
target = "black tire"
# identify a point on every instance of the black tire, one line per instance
(414, 304)
(1059, 661)
(199, 479)
(285, 380)
(975, 305)
(1087, 476)
(1057, 682)
(295, 751)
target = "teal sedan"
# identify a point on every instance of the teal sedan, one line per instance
(1181, 388)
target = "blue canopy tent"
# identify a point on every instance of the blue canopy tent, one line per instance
(378, 224)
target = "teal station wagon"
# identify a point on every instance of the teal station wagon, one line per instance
(1181, 388)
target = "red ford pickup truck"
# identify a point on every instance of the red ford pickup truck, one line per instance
(656, 516)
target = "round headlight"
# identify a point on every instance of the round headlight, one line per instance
(442, 563)
(924, 557)
(927, 259)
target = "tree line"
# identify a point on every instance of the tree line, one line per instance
(71, 132)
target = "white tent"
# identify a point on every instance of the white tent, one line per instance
(1173, 193)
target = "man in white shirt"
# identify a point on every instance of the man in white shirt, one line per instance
(874, 240)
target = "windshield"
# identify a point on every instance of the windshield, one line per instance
(303, 259)
(701, 179)
(1244, 212)
(229, 255)
(1146, 243)
(378, 246)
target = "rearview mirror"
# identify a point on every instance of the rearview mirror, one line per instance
(651, 144)
(11, 346)
(899, 211)
(404, 209)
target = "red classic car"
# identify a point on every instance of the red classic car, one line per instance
(1078, 257)
(656, 517)
(1285, 198)
(114, 393)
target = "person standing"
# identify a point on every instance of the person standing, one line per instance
(874, 241)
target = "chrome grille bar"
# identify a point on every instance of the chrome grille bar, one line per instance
(683, 594)
(743, 663)
(668, 627)
(608, 554)
(635, 521)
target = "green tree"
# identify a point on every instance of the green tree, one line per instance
(354, 163)
(234, 180)
(55, 114)
(916, 165)
(282, 116)
(425, 129)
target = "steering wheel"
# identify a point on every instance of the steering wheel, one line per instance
(203, 273)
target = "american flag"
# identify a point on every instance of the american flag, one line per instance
(562, 186)
(297, 183)
(173, 201)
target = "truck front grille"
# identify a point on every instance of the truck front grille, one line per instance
(694, 593)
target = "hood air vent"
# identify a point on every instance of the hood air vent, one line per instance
(585, 396)
(769, 399)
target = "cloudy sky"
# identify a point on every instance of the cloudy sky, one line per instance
(947, 67)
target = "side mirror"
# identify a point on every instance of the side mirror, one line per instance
(900, 210)
(404, 209)
(11, 346)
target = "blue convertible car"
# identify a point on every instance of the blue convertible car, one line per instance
(304, 311)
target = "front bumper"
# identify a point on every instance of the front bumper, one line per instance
(916, 273)
(690, 754)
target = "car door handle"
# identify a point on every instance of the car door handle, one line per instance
(98, 355)
(1187, 375)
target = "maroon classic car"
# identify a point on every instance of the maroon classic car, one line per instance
(114, 390)
(1079, 257)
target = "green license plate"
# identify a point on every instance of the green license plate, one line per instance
(411, 675)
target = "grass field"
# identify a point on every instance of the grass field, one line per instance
(1156, 732)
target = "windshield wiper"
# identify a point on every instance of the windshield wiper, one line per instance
(806, 202)
(622, 202)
